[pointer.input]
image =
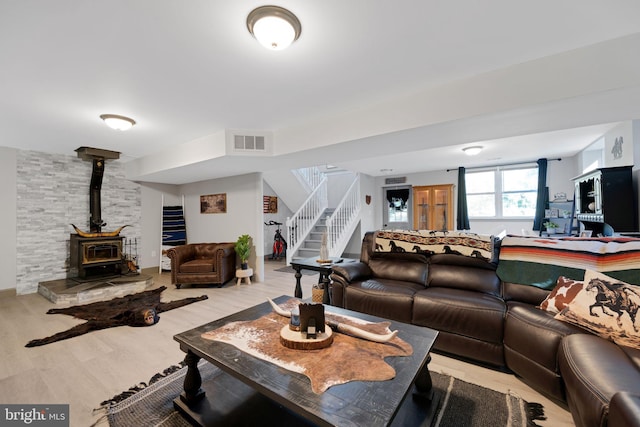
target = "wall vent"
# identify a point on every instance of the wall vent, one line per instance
(248, 143)
(396, 180)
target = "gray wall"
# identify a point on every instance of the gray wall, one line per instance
(53, 192)
(8, 218)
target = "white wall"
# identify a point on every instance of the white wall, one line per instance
(8, 235)
(415, 179)
(367, 215)
(624, 133)
(559, 175)
(149, 253)
(243, 216)
(337, 185)
(281, 216)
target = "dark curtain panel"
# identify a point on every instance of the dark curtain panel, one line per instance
(462, 221)
(543, 194)
(398, 194)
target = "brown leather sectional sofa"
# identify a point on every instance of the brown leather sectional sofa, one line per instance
(202, 263)
(485, 320)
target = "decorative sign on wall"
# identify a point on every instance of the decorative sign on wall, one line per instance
(618, 146)
(269, 204)
(213, 203)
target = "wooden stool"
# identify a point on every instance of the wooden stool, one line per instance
(244, 274)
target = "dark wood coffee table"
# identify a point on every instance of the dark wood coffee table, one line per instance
(324, 269)
(249, 391)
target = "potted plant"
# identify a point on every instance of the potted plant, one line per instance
(551, 227)
(243, 249)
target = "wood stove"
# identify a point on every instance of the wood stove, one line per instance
(96, 256)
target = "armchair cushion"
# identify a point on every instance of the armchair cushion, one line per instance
(203, 265)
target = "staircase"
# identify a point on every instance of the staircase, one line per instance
(310, 246)
(306, 227)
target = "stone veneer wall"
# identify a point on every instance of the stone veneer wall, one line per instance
(52, 193)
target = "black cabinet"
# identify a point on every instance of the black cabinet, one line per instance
(605, 201)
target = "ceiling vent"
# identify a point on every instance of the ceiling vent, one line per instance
(248, 143)
(397, 180)
(244, 142)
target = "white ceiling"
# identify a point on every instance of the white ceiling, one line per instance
(370, 84)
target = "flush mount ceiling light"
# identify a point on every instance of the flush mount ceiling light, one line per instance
(114, 121)
(472, 151)
(274, 27)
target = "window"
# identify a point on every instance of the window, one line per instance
(502, 192)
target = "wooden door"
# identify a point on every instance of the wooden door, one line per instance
(433, 207)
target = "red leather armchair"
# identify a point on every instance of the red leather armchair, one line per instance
(202, 263)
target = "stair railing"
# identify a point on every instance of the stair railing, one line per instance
(301, 222)
(342, 222)
(309, 177)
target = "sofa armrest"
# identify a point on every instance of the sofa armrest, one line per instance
(352, 271)
(226, 261)
(624, 410)
(226, 249)
(343, 275)
(178, 256)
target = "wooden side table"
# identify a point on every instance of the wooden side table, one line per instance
(244, 274)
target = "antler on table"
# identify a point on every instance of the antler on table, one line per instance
(344, 328)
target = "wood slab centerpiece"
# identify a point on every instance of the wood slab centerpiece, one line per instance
(306, 330)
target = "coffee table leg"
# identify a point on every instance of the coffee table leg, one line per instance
(192, 380)
(298, 292)
(423, 382)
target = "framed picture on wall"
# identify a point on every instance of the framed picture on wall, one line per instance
(269, 204)
(213, 203)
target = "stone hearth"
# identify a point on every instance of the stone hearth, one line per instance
(75, 291)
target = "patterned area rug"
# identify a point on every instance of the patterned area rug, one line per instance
(461, 404)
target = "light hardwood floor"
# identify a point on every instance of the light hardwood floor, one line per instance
(86, 370)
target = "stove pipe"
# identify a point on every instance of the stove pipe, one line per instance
(95, 202)
(97, 156)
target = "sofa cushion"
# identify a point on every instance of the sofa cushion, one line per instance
(523, 293)
(465, 273)
(400, 270)
(606, 307)
(201, 265)
(471, 314)
(565, 291)
(392, 299)
(531, 341)
(593, 370)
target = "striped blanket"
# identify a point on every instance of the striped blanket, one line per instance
(429, 242)
(174, 229)
(539, 261)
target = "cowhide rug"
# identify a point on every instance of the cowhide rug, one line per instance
(139, 309)
(359, 359)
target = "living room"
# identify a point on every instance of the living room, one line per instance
(501, 82)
